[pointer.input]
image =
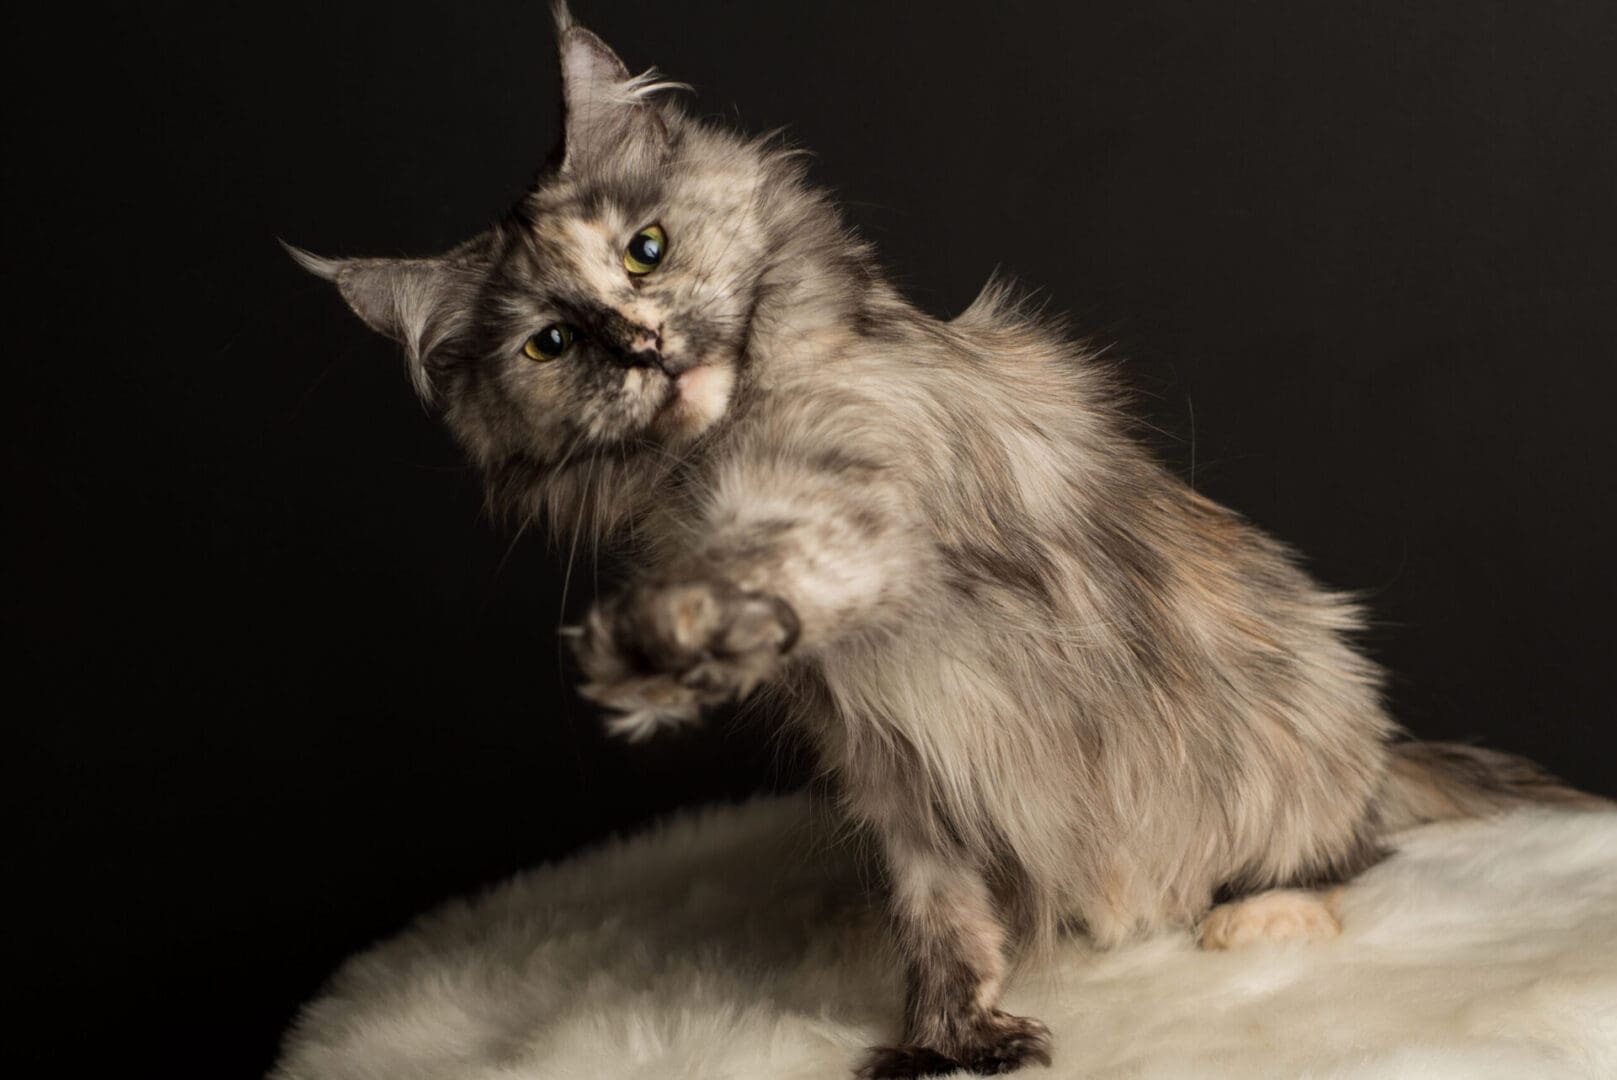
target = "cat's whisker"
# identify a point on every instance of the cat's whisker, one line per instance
(572, 552)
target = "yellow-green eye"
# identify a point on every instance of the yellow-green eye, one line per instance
(548, 343)
(646, 250)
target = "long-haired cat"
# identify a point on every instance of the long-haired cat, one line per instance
(1049, 680)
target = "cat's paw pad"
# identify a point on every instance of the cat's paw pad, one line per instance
(1278, 915)
(656, 653)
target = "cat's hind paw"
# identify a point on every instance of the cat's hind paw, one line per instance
(1277, 915)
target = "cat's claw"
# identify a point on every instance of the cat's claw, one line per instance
(656, 653)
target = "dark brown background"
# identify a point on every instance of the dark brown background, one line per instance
(276, 686)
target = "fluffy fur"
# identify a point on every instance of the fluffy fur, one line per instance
(1048, 681)
(735, 944)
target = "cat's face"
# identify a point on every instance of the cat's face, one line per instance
(617, 310)
(611, 309)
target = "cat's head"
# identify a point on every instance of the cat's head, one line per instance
(610, 312)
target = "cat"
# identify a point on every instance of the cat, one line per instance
(1050, 682)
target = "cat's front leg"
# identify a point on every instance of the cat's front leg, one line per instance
(660, 650)
(954, 953)
(794, 557)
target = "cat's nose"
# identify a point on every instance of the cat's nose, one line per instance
(646, 358)
(646, 350)
(656, 358)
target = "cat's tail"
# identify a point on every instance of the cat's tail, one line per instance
(1434, 781)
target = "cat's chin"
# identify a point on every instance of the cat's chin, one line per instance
(701, 395)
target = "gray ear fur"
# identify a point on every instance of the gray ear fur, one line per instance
(412, 301)
(612, 117)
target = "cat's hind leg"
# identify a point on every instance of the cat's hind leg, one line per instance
(1276, 915)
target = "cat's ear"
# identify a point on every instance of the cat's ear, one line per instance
(416, 302)
(612, 118)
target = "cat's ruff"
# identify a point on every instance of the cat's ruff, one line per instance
(733, 944)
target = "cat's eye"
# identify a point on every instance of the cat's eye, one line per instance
(548, 343)
(646, 250)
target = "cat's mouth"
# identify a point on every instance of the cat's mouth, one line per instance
(695, 399)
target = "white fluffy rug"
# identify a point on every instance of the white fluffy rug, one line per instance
(733, 944)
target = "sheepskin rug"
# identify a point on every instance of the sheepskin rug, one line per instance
(738, 943)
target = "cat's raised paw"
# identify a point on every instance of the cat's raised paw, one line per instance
(657, 652)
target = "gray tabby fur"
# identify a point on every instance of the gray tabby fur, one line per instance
(1051, 682)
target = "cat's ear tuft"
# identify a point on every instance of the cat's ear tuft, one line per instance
(612, 118)
(318, 265)
(412, 301)
(562, 17)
